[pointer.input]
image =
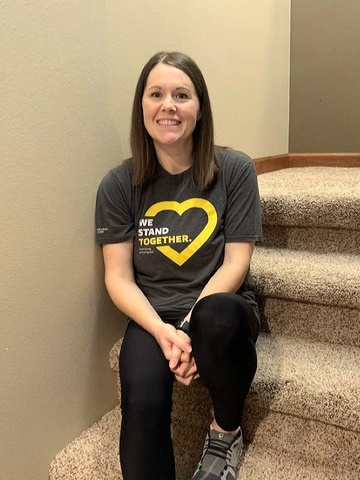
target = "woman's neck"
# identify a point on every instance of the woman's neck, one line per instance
(174, 159)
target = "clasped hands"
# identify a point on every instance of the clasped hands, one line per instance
(181, 363)
(176, 346)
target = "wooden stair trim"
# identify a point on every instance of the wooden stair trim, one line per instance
(296, 160)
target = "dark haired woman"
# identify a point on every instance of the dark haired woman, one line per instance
(178, 223)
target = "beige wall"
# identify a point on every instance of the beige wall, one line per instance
(325, 73)
(241, 47)
(68, 79)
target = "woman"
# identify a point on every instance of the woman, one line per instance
(178, 223)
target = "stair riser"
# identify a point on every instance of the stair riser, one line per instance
(291, 401)
(306, 212)
(317, 323)
(322, 240)
(279, 274)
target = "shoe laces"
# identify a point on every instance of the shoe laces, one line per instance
(217, 447)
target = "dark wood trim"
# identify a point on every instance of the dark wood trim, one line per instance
(270, 164)
(296, 160)
(324, 160)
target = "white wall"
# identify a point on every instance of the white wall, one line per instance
(68, 71)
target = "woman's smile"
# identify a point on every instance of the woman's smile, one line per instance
(168, 122)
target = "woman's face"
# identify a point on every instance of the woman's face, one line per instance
(170, 106)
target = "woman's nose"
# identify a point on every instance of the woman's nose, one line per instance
(168, 104)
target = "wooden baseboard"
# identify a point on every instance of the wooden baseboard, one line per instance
(295, 160)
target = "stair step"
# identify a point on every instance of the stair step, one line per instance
(281, 448)
(303, 276)
(285, 447)
(324, 197)
(312, 380)
(315, 381)
(309, 321)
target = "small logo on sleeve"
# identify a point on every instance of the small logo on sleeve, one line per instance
(102, 230)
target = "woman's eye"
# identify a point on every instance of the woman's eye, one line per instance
(155, 94)
(182, 96)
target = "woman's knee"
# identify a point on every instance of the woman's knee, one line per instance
(222, 313)
(153, 407)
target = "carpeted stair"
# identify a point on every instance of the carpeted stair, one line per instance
(302, 417)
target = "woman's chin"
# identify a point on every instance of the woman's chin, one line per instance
(168, 140)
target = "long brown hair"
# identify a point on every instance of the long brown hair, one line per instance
(146, 165)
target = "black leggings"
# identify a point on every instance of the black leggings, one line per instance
(224, 330)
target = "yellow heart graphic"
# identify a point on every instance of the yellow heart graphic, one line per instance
(180, 208)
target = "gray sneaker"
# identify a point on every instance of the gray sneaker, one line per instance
(221, 456)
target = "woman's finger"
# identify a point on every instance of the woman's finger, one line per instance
(185, 370)
(185, 357)
(174, 357)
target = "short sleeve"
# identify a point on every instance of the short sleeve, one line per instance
(243, 211)
(113, 214)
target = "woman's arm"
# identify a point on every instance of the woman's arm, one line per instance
(230, 276)
(127, 296)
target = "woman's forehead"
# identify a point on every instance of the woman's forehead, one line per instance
(162, 75)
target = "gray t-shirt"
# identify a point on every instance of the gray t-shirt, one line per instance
(179, 232)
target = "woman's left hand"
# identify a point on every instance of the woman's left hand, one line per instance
(186, 372)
